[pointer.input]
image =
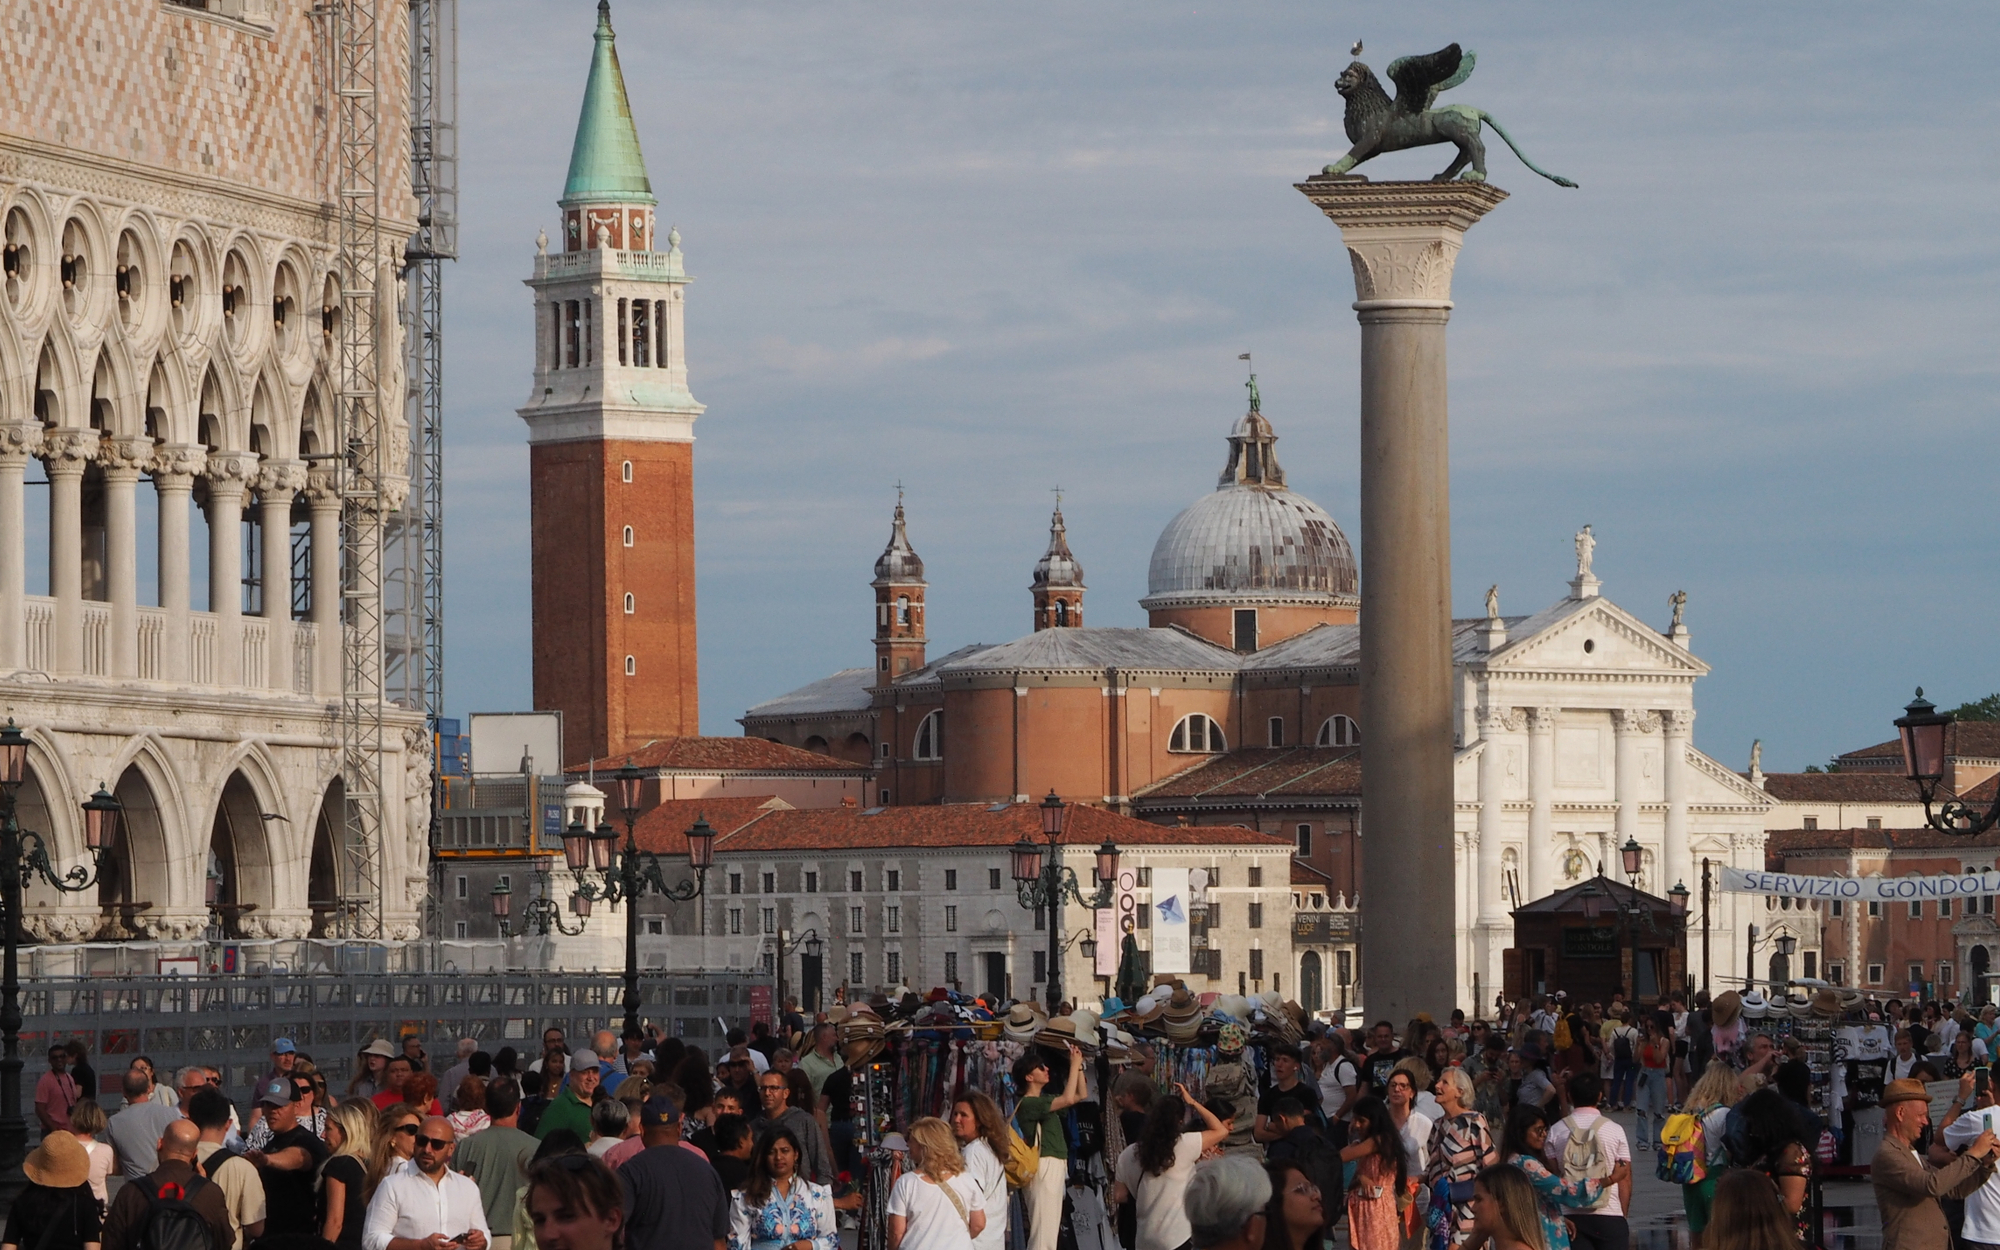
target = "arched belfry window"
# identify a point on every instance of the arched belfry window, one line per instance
(1340, 731)
(902, 609)
(628, 536)
(1197, 733)
(930, 738)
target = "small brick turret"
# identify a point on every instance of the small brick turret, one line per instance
(899, 605)
(1058, 584)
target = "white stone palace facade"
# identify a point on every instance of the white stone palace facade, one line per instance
(170, 545)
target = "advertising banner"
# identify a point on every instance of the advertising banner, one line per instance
(1112, 922)
(1170, 920)
(1866, 889)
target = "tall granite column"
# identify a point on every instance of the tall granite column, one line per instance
(1403, 238)
(175, 466)
(19, 440)
(64, 455)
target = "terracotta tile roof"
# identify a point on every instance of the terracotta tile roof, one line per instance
(1781, 842)
(1969, 739)
(1305, 874)
(704, 754)
(1843, 787)
(748, 825)
(1263, 773)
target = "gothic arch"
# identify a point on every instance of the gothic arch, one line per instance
(221, 422)
(58, 383)
(113, 392)
(37, 218)
(169, 416)
(268, 426)
(191, 256)
(147, 319)
(17, 398)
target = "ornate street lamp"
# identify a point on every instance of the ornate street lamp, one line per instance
(1677, 898)
(1042, 881)
(1632, 857)
(1921, 729)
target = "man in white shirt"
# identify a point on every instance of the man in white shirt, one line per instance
(1982, 1208)
(1603, 1228)
(1338, 1079)
(427, 1206)
(1543, 1018)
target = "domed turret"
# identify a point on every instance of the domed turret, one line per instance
(1252, 563)
(1058, 583)
(899, 604)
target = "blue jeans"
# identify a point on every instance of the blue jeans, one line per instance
(1622, 1073)
(1652, 1104)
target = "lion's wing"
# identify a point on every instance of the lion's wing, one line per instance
(1418, 79)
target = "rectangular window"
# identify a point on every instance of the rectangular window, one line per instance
(1986, 905)
(992, 878)
(895, 922)
(1874, 974)
(854, 921)
(1944, 909)
(1343, 967)
(1041, 922)
(1041, 966)
(660, 332)
(893, 967)
(1305, 841)
(589, 332)
(1837, 909)
(1917, 910)
(812, 883)
(1214, 914)
(1812, 964)
(854, 881)
(1145, 916)
(736, 883)
(770, 920)
(1874, 822)
(1836, 974)
(951, 920)
(856, 973)
(770, 883)
(655, 928)
(951, 878)
(951, 967)
(895, 880)
(621, 331)
(1916, 974)
(1811, 823)
(1246, 629)
(770, 964)
(1257, 922)
(736, 920)
(1145, 876)
(1874, 909)
(1256, 964)
(1256, 876)
(1944, 973)
(464, 888)
(1277, 731)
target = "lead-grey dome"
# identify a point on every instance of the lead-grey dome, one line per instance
(1252, 539)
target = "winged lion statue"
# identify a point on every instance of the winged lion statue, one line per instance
(1376, 124)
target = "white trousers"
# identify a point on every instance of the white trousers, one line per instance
(1044, 1202)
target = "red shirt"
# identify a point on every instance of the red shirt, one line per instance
(56, 1092)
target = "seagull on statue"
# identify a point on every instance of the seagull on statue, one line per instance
(1356, 49)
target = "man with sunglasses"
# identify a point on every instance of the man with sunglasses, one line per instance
(288, 1163)
(427, 1206)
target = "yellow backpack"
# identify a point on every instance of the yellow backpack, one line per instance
(1563, 1040)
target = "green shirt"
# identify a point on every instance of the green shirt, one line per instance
(818, 1069)
(567, 1111)
(497, 1159)
(1041, 1126)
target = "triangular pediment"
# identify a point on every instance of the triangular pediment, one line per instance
(1590, 636)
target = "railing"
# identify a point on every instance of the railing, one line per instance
(305, 637)
(39, 624)
(152, 644)
(256, 639)
(201, 648)
(629, 264)
(40, 614)
(97, 639)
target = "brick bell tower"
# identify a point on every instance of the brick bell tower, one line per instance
(611, 447)
(899, 605)
(1058, 583)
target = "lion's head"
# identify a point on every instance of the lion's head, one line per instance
(1354, 78)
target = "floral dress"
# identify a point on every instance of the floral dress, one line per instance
(803, 1214)
(1372, 1220)
(1555, 1193)
(1460, 1145)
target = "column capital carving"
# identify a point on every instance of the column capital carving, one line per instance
(176, 464)
(320, 487)
(124, 458)
(1629, 720)
(395, 493)
(1541, 719)
(231, 471)
(281, 476)
(1402, 237)
(1679, 722)
(1494, 720)
(69, 450)
(19, 440)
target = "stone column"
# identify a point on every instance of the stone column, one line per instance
(123, 459)
(1402, 239)
(1540, 852)
(229, 476)
(18, 441)
(276, 485)
(1492, 777)
(65, 453)
(1679, 862)
(1627, 724)
(174, 467)
(325, 573)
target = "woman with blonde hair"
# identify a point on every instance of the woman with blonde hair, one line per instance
(1505, 1212)
(937, 1204)
(343, 1179)
(1719, 1089)
(86, 1121)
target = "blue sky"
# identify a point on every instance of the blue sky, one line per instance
(988, 249)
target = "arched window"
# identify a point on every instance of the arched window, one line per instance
(902, 609)
(1197, 733)
(628, 470)
(631, 603)
(930, 738)
(631, 666)
(1340, 731)
(1062, 612)
(628, 536)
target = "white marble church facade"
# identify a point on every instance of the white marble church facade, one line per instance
(1575, 727)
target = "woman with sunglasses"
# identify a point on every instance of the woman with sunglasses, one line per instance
(396, 1145)
(1296, 1218)
(573, 1202)
(777, 1208)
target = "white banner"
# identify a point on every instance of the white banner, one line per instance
(1111, 923)
(1170, 920)
(1866, 889)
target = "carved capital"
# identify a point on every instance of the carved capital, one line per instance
(1402, 237)
(126, 457)
(176, 464)
(1403, 269)
(1679, 722)
(395, 493)
(1635, 720)
(19, 440)
(281, 477)
(320, 487)
(1541, 720)
(67, 451)
(231, 473)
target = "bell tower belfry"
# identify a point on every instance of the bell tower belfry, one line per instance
(899, 605)
(1058, 582)
(611, 447)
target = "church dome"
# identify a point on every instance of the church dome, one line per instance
(1252, 540)
(899, 563)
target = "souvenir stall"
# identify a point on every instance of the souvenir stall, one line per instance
(912, 1059)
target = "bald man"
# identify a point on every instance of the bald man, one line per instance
(173, 1177)
(428, 1206)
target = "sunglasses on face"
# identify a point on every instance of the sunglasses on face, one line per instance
(431, 1143)
(406, 1128)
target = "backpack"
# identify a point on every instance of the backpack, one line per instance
(216, 1161)
(1023, 1160)
(1584, 1159)
(1683, 1150)
(1563, 1041)
(171, 1222)
(1621, 1045)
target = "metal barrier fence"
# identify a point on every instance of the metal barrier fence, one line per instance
(231, 1022)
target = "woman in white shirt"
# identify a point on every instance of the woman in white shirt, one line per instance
(982, 1139)
(1156, 1169)
(935, 1205)
(1414, 1125)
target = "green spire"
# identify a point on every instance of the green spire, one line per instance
(606, 165)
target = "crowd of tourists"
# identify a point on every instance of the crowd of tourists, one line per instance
(1438, 1135)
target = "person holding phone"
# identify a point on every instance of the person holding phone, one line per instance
(427, 1206)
